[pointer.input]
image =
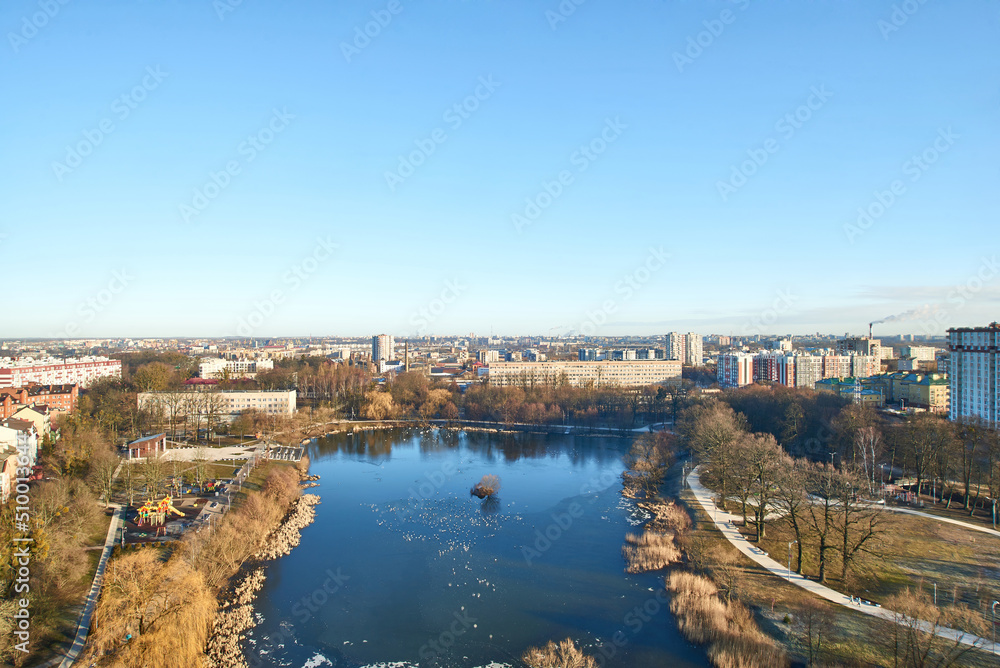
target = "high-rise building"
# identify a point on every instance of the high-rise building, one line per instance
(974, 373)
(382, 348)
(488, 356)
(919, 353)
(694, 349)
(808, 370)
(860, 345)
(735, 369)
(675, 346)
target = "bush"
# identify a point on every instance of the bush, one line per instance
(488, 486)
(563, 655)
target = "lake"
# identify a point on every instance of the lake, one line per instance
(402, 567)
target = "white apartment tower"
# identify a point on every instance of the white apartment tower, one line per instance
(974, 373)
(694, 350)
(382, 348)
(675, 346)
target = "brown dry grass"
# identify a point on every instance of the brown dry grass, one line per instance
(728, 628)
(649, 552)
(562, 655)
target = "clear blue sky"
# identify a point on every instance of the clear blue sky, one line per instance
(787, 239)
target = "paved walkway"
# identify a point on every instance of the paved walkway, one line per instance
(95, 591)
(724, 523)
(967, 525)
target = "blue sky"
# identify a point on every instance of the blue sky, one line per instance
(695, 166)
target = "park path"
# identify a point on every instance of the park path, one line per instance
(948, 520)
(723, 521)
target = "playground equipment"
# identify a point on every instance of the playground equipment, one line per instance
(154, 513)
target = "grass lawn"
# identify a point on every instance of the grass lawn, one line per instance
(852, 638)
(917, 552)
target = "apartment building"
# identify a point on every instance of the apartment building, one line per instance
(676, 346)
(735, 369)
(383, 347)
(694, 351)
(860, 345)
(624, 373)
(52, 371)
(974, 374)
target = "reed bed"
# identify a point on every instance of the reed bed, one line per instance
(649, 551)
(558, 655)
(733, 639)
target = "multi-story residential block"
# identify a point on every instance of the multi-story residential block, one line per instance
(974, 373)
(51, 371)
(383, 348)
(919, 353)
(860, 345)
(735, 369)
(488, 356)
(676, 346)
(59, 398)
(694, 353)
(214, 367)
(626, 373)
(808, 370)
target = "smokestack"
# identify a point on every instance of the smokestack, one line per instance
(406, 356)
(870, 329)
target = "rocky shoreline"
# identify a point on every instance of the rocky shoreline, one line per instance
(236, 615)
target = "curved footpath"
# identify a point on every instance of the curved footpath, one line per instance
(724, 523)
(947, 520)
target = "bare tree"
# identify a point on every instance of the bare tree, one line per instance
(867, 448)
(790, 494)
(103, 475)
(859, 523)
(915, 644)
(152, 474)
(820, 515)
(713, 429)
(765, 460)
(816, 619)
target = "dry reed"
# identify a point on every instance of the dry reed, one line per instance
(728, 628)
(649, 552)
(562, 655)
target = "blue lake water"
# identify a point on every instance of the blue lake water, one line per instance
(402, 567)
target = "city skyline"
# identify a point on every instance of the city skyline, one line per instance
(737, 168)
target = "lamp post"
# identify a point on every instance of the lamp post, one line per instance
(790, 558)
(993, 609)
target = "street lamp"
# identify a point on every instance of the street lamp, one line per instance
(790, 558)
(993, 609)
